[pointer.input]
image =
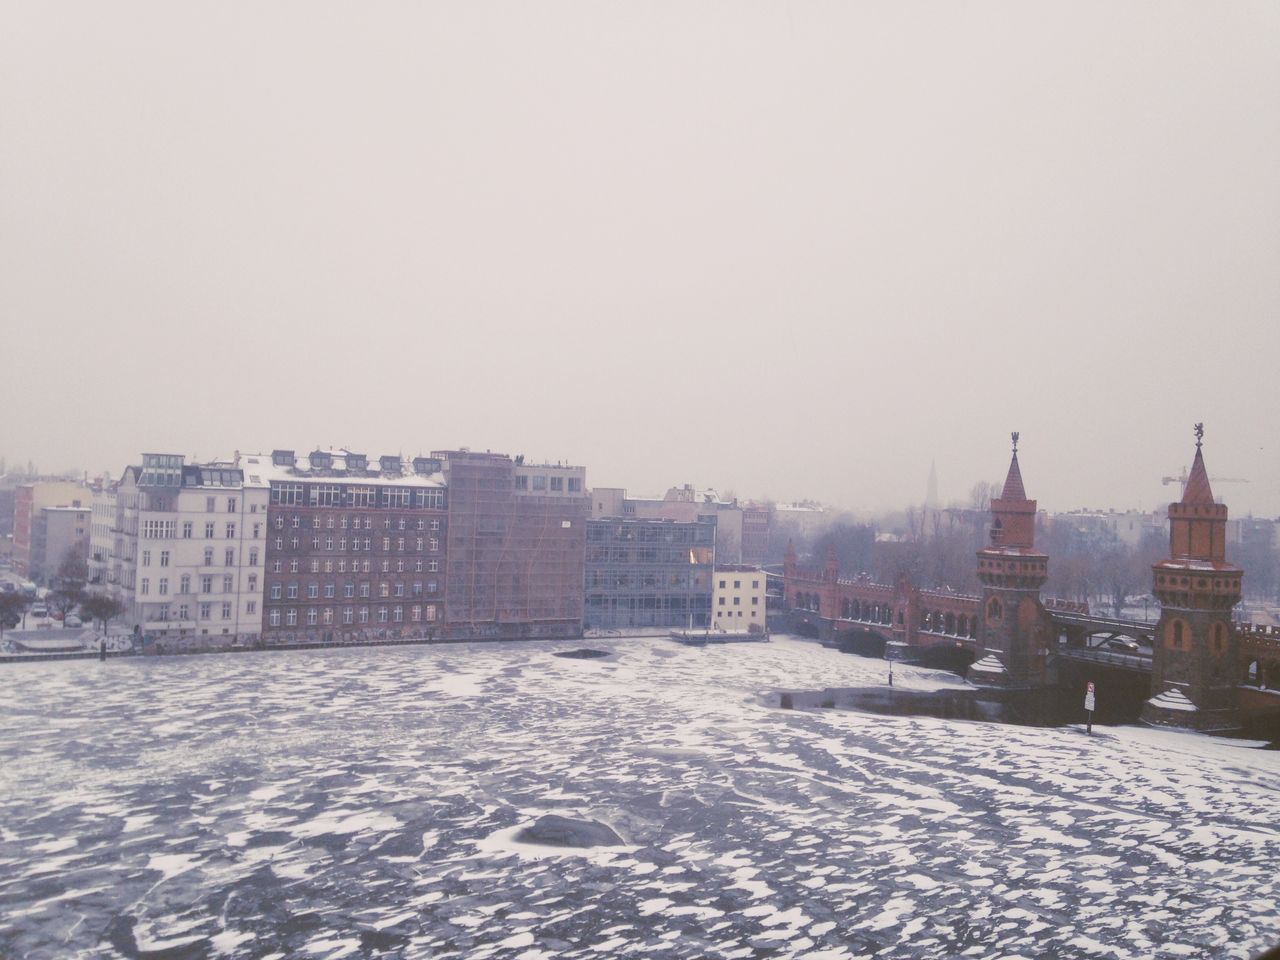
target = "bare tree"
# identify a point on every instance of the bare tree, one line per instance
(12, 607)
(102, 608)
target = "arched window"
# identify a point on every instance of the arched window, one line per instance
(1177, 634)
(994, 610)
(1219, 637)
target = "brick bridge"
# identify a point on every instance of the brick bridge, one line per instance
(1207, 671)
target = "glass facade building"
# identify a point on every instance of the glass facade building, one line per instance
(649, 573)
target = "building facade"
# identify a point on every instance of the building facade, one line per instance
(59, 533)
(756, 518)
(685, 504)
(738, 598)
(29, 499)
(355, 550)
(649, 573)
(182, 546)
(516, 546)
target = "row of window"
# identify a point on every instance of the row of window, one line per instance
(210, 530)
(295, 522)
(431, 543)
(292, 591)
(342, 495)
(540, 482)
(357, 566)
(167, 530)
(228, 557)
(207, 583)
(350, 615)
(205, 611)
(737, 601)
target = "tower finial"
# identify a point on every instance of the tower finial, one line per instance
(1014, 435)
(1199, 434)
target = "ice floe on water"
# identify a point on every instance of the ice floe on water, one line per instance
(378, 802)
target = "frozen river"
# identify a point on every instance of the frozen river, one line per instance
(364, 802)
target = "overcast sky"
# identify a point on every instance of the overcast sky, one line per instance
(795, 249)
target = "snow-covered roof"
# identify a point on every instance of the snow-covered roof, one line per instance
(260, 470)
(1173, 699)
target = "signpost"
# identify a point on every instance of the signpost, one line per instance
(1088, 706)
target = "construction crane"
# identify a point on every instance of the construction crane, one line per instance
(1183, 480)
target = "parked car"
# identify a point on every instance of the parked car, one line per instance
(73, 621)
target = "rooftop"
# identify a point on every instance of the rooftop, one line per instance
(341, 465)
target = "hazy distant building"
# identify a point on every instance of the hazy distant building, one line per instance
(648, 573)
(799, 522)
(355, 547)
(756, 518)
(29, 499)
(58, 533)
(516, 546)
(182, 546)
(685, 503)
(1129, 527)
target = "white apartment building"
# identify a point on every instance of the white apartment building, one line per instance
(738, 598)
(183, 547)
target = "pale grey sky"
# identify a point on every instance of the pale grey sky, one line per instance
(795, 248)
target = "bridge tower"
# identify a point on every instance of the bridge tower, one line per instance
(1014, 630)
(1195, 648)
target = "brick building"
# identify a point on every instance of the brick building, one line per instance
(355, 549)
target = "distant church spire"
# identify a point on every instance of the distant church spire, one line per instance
(931, 497)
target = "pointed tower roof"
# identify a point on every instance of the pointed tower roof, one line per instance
(1013, 488)
(1197, 491)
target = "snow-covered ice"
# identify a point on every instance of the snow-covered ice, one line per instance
(366, 803)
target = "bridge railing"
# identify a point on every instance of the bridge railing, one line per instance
(1259, 636)
(1133, 661)
(1129, 627)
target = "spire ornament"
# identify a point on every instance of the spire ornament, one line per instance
(1199, 434)
(1014, 435)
